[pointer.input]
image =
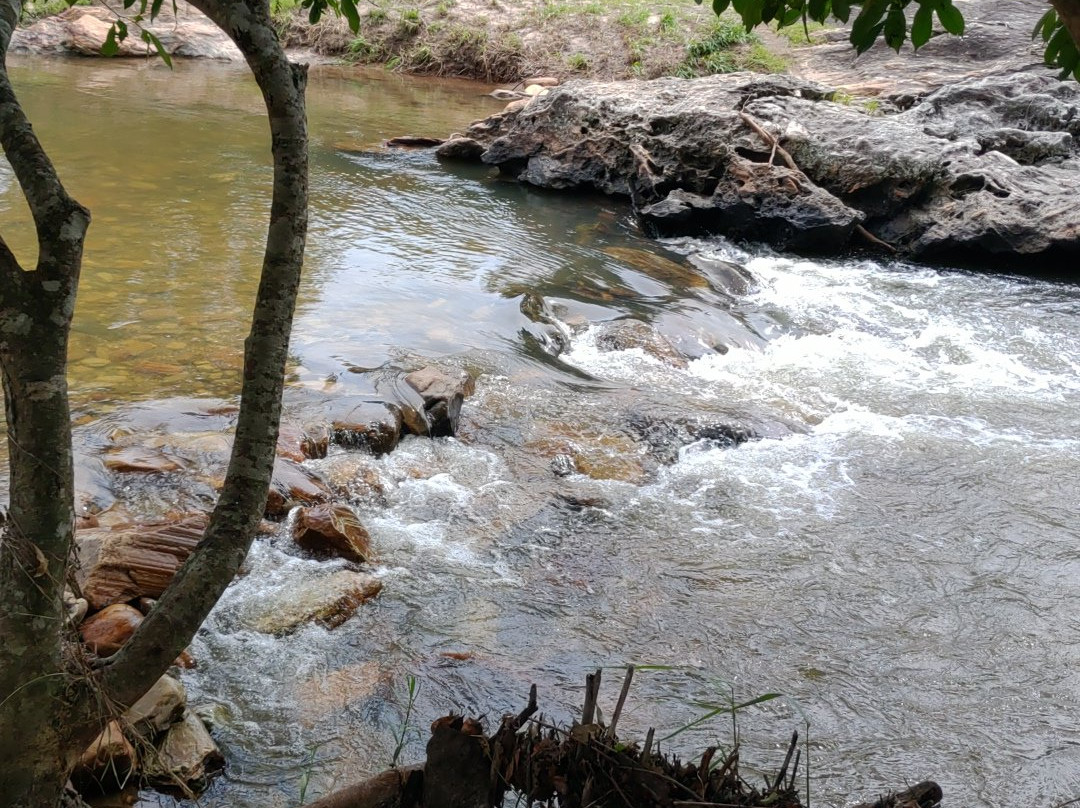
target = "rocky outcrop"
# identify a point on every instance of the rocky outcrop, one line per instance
(82, 30)
(977, 171)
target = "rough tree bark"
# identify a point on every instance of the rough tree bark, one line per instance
(48, 711)
(1069, 13)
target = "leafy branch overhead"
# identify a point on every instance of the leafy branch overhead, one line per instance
(896, 22)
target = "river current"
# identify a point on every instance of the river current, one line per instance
(898, 556)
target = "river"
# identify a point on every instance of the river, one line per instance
(898, 555)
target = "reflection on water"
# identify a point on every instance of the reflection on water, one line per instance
(899, 556)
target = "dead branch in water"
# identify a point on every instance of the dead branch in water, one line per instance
(585, 766)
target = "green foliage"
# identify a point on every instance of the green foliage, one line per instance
(873, 19)
(1060, 51)
(402, 735)
(36, 10)
(577, 61)
(889, 20)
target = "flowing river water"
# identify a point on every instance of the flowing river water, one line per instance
(899, 555)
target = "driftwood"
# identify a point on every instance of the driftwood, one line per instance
(585, 766)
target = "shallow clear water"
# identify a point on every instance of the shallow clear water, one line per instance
(899, 560)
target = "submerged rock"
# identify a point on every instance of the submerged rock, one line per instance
(293, 484)
(979, 170)
(328, 601)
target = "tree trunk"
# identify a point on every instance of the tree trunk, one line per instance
(47, 713)
(170, 626)
(1069, 13)
(38, 743)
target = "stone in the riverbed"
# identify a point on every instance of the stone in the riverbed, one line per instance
(104, 632)
(133, 561)
(135, 459)
(107, 763)
(332, 530)
(291, 485)
(622, 335)
(443, 394)
(460, 148)
(159, 708)
(328, 601)
(187, 754)
(354, 422)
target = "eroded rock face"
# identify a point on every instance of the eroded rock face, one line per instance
(979, 170)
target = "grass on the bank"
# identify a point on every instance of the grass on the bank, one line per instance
(506, 40)
(32, 10)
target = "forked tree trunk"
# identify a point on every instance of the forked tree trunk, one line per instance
(49, 713)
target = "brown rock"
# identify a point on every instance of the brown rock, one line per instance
(133, 561)
(332, 530)
(161, 707)
(361, 424)
(461, 148)
(443, 395)
(104, 632)
(292, 484)
(187, 754)
(140, 460)
(290, 443)
(106, 764)
(543, 81)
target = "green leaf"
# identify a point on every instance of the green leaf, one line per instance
(150, 39)
(950, 17)
(1046, 24)
(895, 28)
(866, 26)
(841, 9)
(791, 16)
(719, 6)
(121, 30)
(922, 26)
(352, 16)
(316, 10)
(818, 10)
(109, 46)
(155, 8)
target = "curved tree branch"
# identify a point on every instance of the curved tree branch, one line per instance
(197, 586)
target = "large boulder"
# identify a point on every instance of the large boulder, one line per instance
(133, 561)
(978, 171)
(82, 30)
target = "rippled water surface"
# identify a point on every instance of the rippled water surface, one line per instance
(898, 555)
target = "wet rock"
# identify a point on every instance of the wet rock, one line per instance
(107, 763)
(725, 277)
(187, 755)
(414, 142)
(293, 484)
(159, 708)
(665, 431)
(82, 30)
(133, 561)
(356, 423)
(106, 631)
(328, 601)
(623, 335)
(292, 444)
(460, 148)
(332, 530)
(133, 459)
(443, 394)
